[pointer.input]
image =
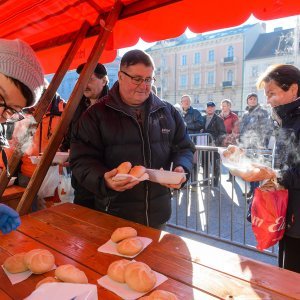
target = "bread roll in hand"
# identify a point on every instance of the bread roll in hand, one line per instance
(124, 168)
(130, 246)
(122, 233)
(15, 263)
(39, 260)
(71, 274)
(257, 172)
(116, 270)
(137, 171)
(140, 277)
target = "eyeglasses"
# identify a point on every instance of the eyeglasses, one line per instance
(137, 80)
(10, 114)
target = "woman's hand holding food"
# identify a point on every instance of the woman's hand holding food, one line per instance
(257, 172)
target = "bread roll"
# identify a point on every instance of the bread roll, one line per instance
(137, 171)
(39, 261)
(15, 263)
(122, 233)
(130, 246)
(162, 295)
(69, 273)
(124, 167)
(116, 270)
(46, 280)
(140, 277)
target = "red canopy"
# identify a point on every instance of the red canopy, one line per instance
(49, 26)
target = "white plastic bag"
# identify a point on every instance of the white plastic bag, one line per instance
(65, 190)
(50, 183)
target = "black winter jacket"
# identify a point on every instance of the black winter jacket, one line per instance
(217, 129)
(288, 159)
(193, 120)
(108, 134)
(255, 128)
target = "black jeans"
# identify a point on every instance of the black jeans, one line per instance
(288, 255)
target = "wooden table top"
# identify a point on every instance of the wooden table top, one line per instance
(195, 270)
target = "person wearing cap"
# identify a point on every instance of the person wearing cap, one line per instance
(213, 125)
(21, 85)
(96, 88)
(131, 124)
(255, 130)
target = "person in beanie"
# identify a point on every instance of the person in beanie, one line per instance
(255, 130)
(21, 84)
(96, 88)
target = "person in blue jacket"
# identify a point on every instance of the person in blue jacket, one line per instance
(21, 82)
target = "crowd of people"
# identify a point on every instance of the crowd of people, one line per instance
(131, 123)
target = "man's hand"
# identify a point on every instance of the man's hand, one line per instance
(9, 219)
(120, 185)
(258, 173)
(178, 169)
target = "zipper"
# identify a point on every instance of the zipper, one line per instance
(144, 158)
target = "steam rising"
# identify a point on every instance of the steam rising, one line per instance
(23, 135)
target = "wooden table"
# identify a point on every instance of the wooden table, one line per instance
(195, 270)
(12, 195)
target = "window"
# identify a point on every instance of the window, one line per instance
(197, 58)
(229, 75)
(196, 99)
(230, 51)
(197, 79)
(183, 81)
(183, 60)
(254, 71)
(211, 55)
(210, 77)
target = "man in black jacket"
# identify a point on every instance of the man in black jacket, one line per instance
(131, 124)
(191, 116)
(214, 125)
(96, 88)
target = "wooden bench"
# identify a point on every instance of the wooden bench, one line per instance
(12, 195)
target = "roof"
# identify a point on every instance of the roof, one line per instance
(272, 44)
(50, 26)
(184, 40)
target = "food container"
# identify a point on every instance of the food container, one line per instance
(59, 158)
(165, 177)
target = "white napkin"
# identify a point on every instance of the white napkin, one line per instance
(64, 291)
(111, 247)
(123, 290)
(119, 177)
(18, 277)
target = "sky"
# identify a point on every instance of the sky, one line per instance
(270, 25)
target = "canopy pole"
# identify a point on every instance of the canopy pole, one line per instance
(45, 101)
(49, 153)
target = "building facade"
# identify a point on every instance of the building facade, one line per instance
(207, 67)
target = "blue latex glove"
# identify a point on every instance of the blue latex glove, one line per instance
(9, 219)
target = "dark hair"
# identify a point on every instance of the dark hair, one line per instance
(25, 91)
(134, 57)
(283, 75)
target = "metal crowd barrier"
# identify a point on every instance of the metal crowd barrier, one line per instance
(214, 210)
